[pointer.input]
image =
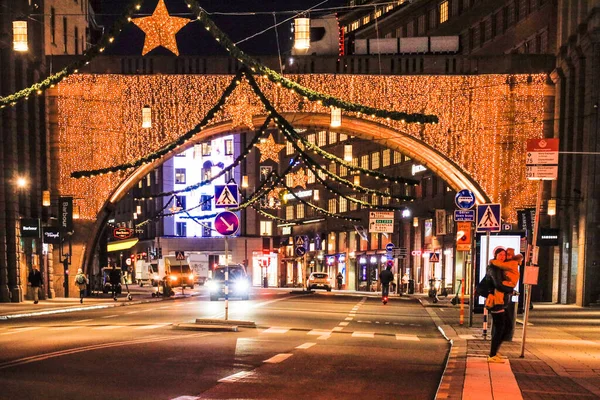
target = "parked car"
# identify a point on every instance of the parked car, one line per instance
(319, 280)
(239, 282)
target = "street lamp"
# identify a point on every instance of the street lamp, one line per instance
(22, 182)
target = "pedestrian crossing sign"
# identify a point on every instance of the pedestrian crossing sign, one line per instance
(488, 218)
(434, 257)
(226, 196)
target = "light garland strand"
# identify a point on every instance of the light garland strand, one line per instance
(319, 209)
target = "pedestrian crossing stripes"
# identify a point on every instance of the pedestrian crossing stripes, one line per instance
(237, 377)
(363, 334)
(278, 358)
(276, 330)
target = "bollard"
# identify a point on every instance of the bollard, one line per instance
(462, 303)
(485, 323)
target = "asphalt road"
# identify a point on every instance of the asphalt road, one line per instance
(321, 346)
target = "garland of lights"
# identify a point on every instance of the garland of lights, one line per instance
(268, 215)
(291, 133)
(224, 171)
(311, 95)
(321, 210)
(169, 146)
(73, 68)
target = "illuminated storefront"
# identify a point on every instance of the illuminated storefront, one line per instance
(264, 266)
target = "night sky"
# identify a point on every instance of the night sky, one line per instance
(193, 38)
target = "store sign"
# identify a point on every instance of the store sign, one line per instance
(440, 222)
(65, 213)
(301, 194)
(548, 237)
(122, 233)
(51, 235)
(30, 227)
(416, 168)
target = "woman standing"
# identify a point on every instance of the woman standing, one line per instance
(499, 315)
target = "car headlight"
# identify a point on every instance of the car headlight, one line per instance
(241, 285)
(212, 286)
(155, 277)
(173, 278)
(191, 277)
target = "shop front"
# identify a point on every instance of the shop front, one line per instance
(264, 268)
(337, 263)
(369, 266)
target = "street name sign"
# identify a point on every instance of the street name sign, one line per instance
(464, 215)
(381, 221)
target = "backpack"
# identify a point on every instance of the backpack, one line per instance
(80, 279)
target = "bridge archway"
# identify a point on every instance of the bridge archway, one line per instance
(416, 149)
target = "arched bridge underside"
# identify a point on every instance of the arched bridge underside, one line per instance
(479, 143)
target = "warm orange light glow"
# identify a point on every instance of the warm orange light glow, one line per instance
(160, 29)
(269, 149)
(20, 36)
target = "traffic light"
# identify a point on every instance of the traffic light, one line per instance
(159, 252)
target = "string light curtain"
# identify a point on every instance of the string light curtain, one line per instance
(484, 120)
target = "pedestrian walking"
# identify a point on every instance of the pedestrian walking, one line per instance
(115, 280)
(81, 281)
(37, 281)
(405, 279)
(386, 276)
(340, 280)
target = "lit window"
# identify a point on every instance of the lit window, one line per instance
(148, 180)
(355, 164)
(343, 137)
(343, 205)
(180, 175)
(364, 161)
(343, 170)
(266, 228)
(322, 175)
(332, 167)
(311, 176)
(205, 202)
(374, 199)
(354, 26)
(375, 160)
(228, 147)
(206, 149)
(332, 206)
(289, 212)
(206, 229)
(197, 151)
(366, 19)
(444, 12)
(299, 211)
(353, 206)
(378, 13)
(181, 228)
(386, 157)
(322, 139)
(332, 137)
(312, 138)
(289, 148)
(288, 181)
(397, 157)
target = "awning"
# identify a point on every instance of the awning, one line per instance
(121, 245)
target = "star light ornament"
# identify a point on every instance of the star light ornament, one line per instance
(241, 112)
(269, 150)
(299, 178)
(160, 29)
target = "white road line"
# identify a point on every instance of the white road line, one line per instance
(278, 358)
(107, 327)
(236, 377)
(111, 316)
(363, 334)
(413, 338)
(152, 326)
(132, 312)
(324, 337)
(319, 332)
(344, 323)
(338, 328)
(275, 329)
(64, 328)
(19, 330)
(306, 345)
(186, 398)
(82, 320)
(349, 319)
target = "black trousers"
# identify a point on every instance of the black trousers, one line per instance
(385, 289)
(502, 325)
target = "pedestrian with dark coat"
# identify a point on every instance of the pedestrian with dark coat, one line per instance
(340, 280)
(386, 276)
(502, 323)
(37, 281)
(115, 280)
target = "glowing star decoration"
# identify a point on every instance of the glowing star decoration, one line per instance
(269, 150)
(299, 178)
(160, 29)
(273, 198)
(241, 112)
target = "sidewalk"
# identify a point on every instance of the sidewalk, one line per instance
(558, 363)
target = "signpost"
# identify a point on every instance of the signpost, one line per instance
(465, 200)
(541, 164)
(381, 222)
(488, 220)
(226, 196)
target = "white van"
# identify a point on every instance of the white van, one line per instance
(144, 273)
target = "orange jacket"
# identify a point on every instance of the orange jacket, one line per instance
(510, 271)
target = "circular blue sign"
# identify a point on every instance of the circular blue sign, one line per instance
(227, 223)
(465, 199)
(300, 251)
(389, 247)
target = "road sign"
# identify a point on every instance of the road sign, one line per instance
(227, 223)
(506, 227)
(381, 221)
(434, 257)
(400, 252)
(463, 236)
(226, 196)
(464, 199)
(464, 215)
(389, 247)
(180, 255)
(488, 218)
(541, 159)
(300, 251)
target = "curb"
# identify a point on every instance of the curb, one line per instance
(231, 322)
(206, 327)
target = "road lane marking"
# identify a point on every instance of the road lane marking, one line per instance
(275, 329)
(82, 320)
(349, 319)
(319, 332)
(111, 316)
(363, 334)
(236, 377)
(324, 337)
(338, 329)
(19, 330)
(344, 323)
(132, 312)
(42, 357)
(278, 358)
(186, 398)
(306, 345)
(63, 328)
(107, 327)
(407, 337)
(152, 326)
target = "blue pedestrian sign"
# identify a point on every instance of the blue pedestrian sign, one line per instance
(434, 257)
(464, 199)
(488, 218)
(226, 196)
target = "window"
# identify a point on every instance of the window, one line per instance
(343, 170)
(353, 206)
(410, 29)
(180, 175)
(299, 211)
(375, 160)
(148, 180)
(205, 202)
(181, 228)
(343, 205)
(76, 40)
(312, 138)
(288, 180)
(364, 161)
(206, 171)
(207, 229)
(481, 33)
(355, 164)
(322, 139)
(366, 19)
(65, 35)
(228, 147)
(289, 148)
(494, 23)
(505, 19)
(289, 212)
(181, 201)
(421, 25)
(397, 157)
(374, 199)
(206, 149)
(53, 24)
(443, 12)
(332, 168)
(343, 137)
(386, 157)
(266, 228)
(431, 20)
(332, 206)
(332, 137)
(311, 176)
(517, 6)
(385, 200)
(322, 175)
